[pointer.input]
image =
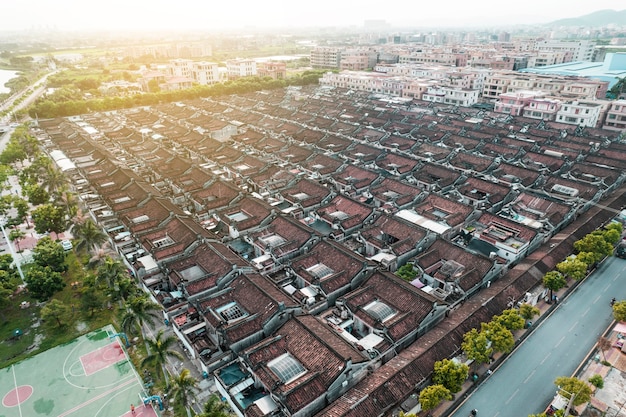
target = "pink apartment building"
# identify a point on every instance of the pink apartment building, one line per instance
(514, 103)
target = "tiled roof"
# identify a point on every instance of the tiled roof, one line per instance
(441, 209)
(396, 192)
(410, 304)
(216, 195)
(344, 211)
(393, 233)
(305, 192)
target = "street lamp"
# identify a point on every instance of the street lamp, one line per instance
(570, 402)
(17, 261)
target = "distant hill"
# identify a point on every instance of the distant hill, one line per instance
(599, 18)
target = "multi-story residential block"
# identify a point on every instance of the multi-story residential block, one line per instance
(358, 59)
(326, 57)
(181, 68)
(450, 95)
(206, 72)
(514, 103)
(580, 113)
(237, 68)
(275, 70)
(580, 50)
(542, 108)
(496, 84)
(616, 116)
(545, 58)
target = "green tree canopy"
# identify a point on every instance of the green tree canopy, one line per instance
(160, 348)
(450, 374)
(572, 267)
(554, 281)
(88, 236)
(137, 311)
(619, 311)
(594, 243)
(36, 195)
(476, 346)
(407, 272)
(183, 390)
(528, 312)
(49, 253)
(49, 218)
(215, 407)
(43, 282)
(55, 310)
(501, 338)
(433, 395)
(569, 386)
(510, 319)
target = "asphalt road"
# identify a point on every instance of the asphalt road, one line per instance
(524, 384)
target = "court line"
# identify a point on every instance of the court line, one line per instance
(92, 399)
(17, 391)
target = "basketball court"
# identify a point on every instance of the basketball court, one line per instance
(90, 376)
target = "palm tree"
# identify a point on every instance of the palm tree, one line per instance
(215, 407)
(139, 310)
(111, 271)
(100, 254)
(53, 180)
(183, 390)
(88, 235)
(159, 349)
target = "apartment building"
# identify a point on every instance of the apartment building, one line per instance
(326, 57)
(206, 73)
(237, 68)
(181, 68)
(545, 58)
(542, 108)
(359, 59)
(497, 84)
(616, 116)
(451, 95)
(442, 58)
(366, 81)
(275, 70)
(514, 103)
(579, 50)
(581, 113)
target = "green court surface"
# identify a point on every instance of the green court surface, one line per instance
(91, 376)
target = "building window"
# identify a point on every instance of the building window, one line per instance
(286, 368)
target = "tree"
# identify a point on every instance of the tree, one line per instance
(510, 319)
(501, 338)
(139, 309)
(56, 310)
(36, 195)
(15, 236)
(183, 390)
(619, 311)
(596, 244)
(433, 395)
(476, 346)
(88, 236)
(554, 281)
(597, 381)
(49, 218)
(111, 272)
(48, 253)
(528, 312)
(91, 299)
(569, 386)
(587, 257)
(613, 233)
(573, 268)
(604, 344)
(450, 374)
(407, 272)
(215, 407)
(159, 349)
(22, 208)
(43, 282)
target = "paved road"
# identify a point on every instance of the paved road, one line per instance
(524, 384)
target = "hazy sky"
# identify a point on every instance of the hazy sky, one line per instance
(218, 14)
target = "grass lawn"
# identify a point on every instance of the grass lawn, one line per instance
(39, 336)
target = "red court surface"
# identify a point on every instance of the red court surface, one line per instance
(17, 396)
(102, 358)
(141, 411)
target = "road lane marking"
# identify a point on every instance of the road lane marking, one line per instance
(512, 396)
(596, 300)
(559, 342)
(529, 376)
(573, 326)
(545, 358)
(585, 313)
(605, 288)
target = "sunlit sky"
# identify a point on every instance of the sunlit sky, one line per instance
(70, 15)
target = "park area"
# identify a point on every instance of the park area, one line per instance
(89, 376)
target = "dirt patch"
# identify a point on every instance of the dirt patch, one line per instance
(81, 326)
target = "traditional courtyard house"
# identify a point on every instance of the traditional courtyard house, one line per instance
(432, 177)
(384, 315)
(451, 273)
(297, 371)
(439, 215)
(327, 271)
(391, 241)
(353, 180)
(497, 236)
(306, 196)
(484, 195)
(246, 311)
(246, 215)
(280, 240)
(544, 215)
(392, 195)
(344, 216)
